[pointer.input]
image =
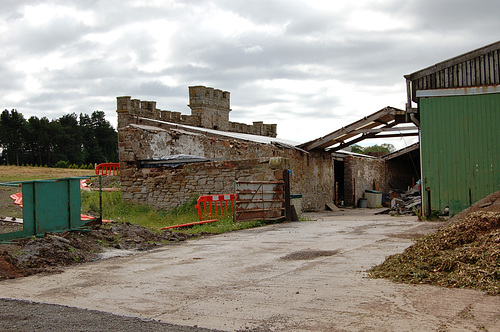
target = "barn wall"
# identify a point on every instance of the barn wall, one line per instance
(460, 139)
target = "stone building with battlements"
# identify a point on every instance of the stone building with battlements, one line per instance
(227, 152)
(210, 109)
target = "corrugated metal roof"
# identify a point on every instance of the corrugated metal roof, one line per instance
(480, 67)
(344, 153)
(241, 136)
(477, 53)
(403, 151)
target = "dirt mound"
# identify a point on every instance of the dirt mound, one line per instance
(50, 253)
(8, 268)
(464, 254)
(490, 203)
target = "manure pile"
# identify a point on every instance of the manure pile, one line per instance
(464, 254)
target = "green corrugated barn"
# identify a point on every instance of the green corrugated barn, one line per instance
(459, 118)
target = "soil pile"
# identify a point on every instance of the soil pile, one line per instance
(8, 267)
(48, 254)
(465, 253)
(490, 203)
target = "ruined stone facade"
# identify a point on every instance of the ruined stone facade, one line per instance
(232, 159)
(210, 109)
(146, 133)
(167, 188)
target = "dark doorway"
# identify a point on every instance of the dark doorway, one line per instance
(338, 170)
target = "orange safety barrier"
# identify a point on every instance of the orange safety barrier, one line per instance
(218, 201)
(190, 224)
(18, 199)
(107, 169)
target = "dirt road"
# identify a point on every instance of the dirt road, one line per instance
(302, 276)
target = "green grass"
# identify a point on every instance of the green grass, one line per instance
(143, 215)
(114, 208)
(222, 225)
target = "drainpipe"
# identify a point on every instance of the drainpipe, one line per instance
(413, 118)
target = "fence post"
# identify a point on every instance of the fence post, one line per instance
(288, 207)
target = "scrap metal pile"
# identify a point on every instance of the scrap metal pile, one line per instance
(407, 203)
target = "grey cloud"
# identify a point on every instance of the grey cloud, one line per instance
(453, 15)
(10, 80)
(263, 11)
(158, 89)
(355, 59)
(40, 40)
(303, 37)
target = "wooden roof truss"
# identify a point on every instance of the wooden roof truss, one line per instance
(381, 124)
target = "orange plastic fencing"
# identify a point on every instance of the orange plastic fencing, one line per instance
(214, 205)
(107, 169)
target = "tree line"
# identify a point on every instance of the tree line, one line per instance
(74, 140)
(373, 150)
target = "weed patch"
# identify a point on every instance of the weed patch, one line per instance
(154, 219)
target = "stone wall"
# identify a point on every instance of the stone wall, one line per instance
(312, 173)
(166, 188)
(361, 173)
(210, 109)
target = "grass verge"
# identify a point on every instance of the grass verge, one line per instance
(154, 219)
(26, 173)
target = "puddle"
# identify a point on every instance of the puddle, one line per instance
(309, 254)
(112, 252)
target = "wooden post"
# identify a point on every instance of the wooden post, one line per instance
(288, 208)
(429, 210)
(353, 193)
(100, 199)
(336, 193)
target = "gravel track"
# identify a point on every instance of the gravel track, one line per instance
(19, 316)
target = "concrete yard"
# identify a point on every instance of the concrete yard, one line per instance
(299, 276)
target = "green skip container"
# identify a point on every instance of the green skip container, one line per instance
(49, 206)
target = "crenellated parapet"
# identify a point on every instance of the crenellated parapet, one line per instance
(211, 106)
(258, 128)
(209, 109)
(202, 96)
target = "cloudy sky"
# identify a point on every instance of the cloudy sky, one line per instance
(311, 66)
